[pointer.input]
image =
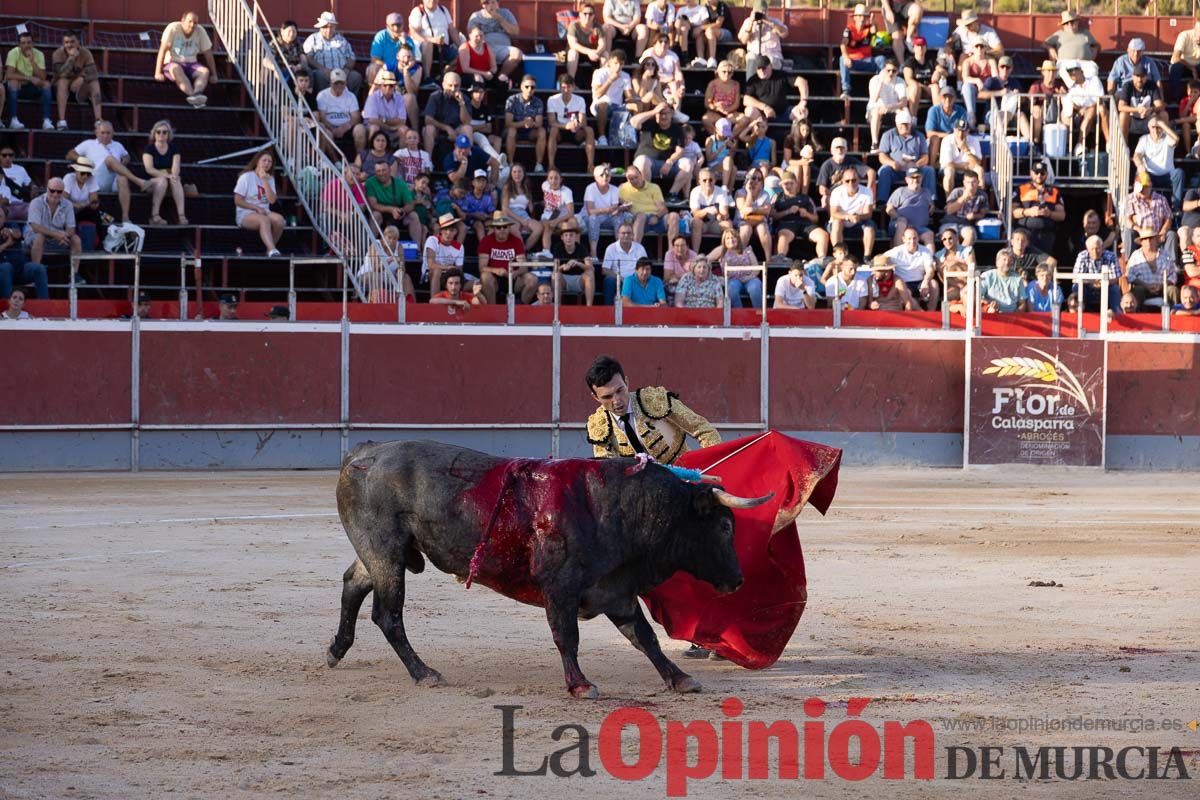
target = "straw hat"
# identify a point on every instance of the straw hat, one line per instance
(385, 78)
(83, 164)
(499, 220)
(326, 18)
(447, 221)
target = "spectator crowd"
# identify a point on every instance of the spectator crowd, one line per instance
(703, 202)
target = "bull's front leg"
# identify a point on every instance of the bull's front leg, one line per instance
(638, 631)
(563, 617)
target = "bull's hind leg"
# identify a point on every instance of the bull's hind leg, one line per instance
(388, 613)
(638, 631)
(356, 585)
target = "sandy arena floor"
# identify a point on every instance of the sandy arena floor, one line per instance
(166, 633)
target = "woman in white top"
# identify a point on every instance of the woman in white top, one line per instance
(253, 196)
(515, 202)
(754, 208)
(886, 94)
(82, 191)
(386, 256)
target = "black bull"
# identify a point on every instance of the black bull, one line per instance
(580, 537)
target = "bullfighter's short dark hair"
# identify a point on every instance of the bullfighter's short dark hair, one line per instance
(603, 370)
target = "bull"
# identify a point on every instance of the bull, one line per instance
(579, 537)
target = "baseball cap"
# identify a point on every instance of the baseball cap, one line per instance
(278, 312)
(838, 142)
(1137, 44)
(462, 141)
(476, 84)
(1144, 179)
(481, 173)
(762, 62)
(228, 299)
(961, 125)
(919, 41)
(1140, 70)
(1047, 64)
(913, 172)
(143, 297)
(860, 10)
(337, 76)
(903, 117)
(1006, 61)
(1038, 166)
(395, 18)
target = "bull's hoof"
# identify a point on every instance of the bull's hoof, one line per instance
(686, 684)
(434, 678)
(331, 659)
(585, 691)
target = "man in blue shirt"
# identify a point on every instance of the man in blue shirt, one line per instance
(385, 45)
(1122, 70)
(941, 120)
(900, 150)
(643, 289)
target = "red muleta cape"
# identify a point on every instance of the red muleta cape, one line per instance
(751, 626)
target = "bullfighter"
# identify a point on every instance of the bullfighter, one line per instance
(659, 422)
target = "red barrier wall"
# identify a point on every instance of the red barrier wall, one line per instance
(65, 377)
(213, 377)
(209, 376)
(868, 385)
(1153, 388)
(449, 379)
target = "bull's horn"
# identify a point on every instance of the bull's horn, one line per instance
(733, 501)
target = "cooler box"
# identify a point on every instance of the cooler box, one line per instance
(1054, 138)
(542, 68)
(989, 229)
(936, 31)
(411, 251)
(1018, 147)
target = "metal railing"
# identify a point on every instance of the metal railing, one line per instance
(1002, 165)
(1119, 159)
(295, 135)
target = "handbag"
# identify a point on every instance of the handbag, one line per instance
(125, 238)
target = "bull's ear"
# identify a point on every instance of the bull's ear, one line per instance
(733, 501)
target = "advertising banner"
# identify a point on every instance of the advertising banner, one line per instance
(1036, 401)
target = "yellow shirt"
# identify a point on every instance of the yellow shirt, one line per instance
(23, 65)
(646, 201)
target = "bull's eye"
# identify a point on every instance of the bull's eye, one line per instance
(727, 526)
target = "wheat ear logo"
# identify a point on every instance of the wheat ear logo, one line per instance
(1043, 374)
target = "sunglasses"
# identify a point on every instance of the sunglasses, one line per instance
(6, 155)
(54, 191)
(850, 180)
(706, 180)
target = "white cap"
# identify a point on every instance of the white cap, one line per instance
(326, 18)
(481, 173)
(839, 142)
(903, 117)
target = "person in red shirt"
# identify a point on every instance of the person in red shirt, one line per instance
(453, 294)
(857, 52)
(497, 251)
